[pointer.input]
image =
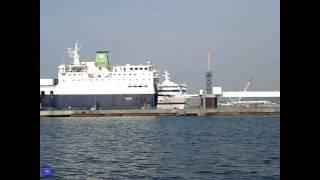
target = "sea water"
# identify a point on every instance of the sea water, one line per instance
(164, 147)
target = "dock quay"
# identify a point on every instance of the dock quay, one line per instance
(162, 112)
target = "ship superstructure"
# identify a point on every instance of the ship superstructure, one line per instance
(83, 85)
(171, 95)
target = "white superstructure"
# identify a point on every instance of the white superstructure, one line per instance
(87, 78)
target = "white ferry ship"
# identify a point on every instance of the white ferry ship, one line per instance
(87, 85)
(171, 95)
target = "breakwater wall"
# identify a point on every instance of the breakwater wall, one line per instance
(162, 112)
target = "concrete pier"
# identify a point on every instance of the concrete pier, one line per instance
(162, 112)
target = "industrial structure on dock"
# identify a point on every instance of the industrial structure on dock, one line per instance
(209, 99)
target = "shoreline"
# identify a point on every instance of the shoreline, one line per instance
(162, 112)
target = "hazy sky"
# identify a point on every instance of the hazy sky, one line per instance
(243, 37)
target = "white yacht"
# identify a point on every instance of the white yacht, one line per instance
(170, 94)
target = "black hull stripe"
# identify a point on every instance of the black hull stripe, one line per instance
(119, 101)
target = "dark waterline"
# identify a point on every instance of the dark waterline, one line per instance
(246, 147)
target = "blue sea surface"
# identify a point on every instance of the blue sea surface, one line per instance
(164, 147)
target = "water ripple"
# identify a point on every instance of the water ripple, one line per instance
(162, 147)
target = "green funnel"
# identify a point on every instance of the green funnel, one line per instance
(102, 59)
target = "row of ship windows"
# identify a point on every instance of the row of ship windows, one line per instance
(171, 91)
(138, 86)
(101, 79)
(113, 74)
(126, 74)
(131, 69)
(73, 74)
(124, 69)
(139, 68)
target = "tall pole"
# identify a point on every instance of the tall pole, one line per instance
(209, 61)
(209, 76)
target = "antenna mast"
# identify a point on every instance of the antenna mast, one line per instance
(74, 54)
(209, 62)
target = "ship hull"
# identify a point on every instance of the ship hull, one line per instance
(114, 101)
(170, 106)
(171, 102)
